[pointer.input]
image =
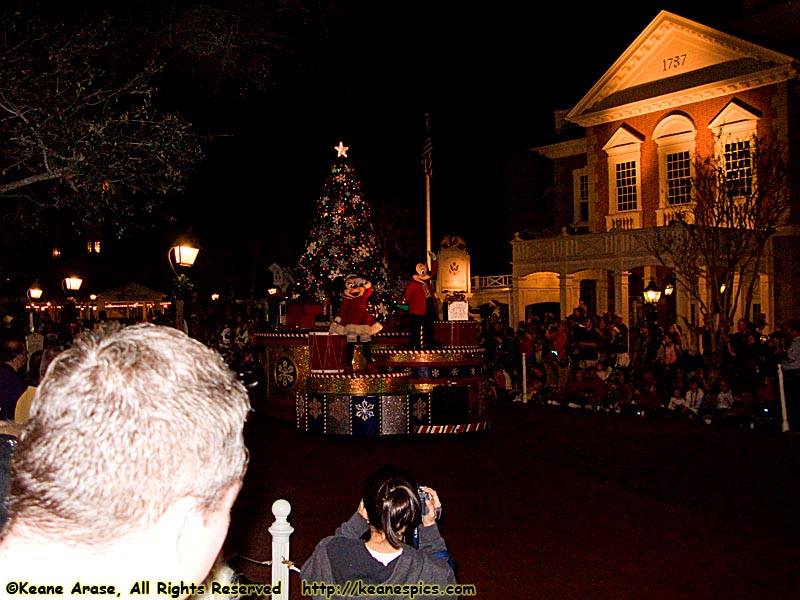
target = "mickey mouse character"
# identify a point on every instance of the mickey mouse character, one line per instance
(355, 321)
(421, 301)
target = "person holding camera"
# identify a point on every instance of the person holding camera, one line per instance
(370, 549)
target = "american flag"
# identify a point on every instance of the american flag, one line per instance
(427, 163)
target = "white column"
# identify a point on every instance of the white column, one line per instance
(280, 530)
(621, 295)
(564, 282)
(602, 292)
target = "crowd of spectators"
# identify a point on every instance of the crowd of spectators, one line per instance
(596, 361)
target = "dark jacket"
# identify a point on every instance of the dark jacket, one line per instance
(11, 388)
(343, 560)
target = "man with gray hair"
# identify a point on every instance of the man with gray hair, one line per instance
(127, 468)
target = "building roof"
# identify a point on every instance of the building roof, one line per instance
(131, 292)
(676, 61)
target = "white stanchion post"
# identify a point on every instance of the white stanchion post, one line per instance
(280, 530)
(785, 426)
(524, 379)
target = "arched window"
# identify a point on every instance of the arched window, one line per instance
(675, 137)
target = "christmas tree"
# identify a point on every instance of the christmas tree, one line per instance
(342, 241)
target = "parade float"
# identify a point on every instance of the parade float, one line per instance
(384, 375)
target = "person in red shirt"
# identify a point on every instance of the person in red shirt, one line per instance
(421, 301)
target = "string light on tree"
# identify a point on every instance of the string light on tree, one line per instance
(342, 240)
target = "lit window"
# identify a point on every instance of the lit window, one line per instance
(675, 137)
(734, 128)
(624, 150)
(626, 186)
(580, 188)
(679, 178)
(584, 198)
(738, 168)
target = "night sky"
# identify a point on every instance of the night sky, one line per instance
(490, 77)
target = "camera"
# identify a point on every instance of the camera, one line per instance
(423, 498)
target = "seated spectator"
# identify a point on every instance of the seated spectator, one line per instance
(678, 405)
(388, 514)
(647, 400)
(586, 390)
(618, 392)
(724, 399)
(717, 405)
(603, 370)
(694, 395)
(129, 464)
(535, 385)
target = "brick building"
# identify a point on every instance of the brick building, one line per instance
(621, 161)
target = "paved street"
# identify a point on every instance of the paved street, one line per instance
(557, 503)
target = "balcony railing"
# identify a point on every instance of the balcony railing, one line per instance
(491, 282)
(586, 247)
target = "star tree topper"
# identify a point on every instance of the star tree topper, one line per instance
(341, 149)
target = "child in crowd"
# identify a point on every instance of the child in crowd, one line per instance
(694, 396)
(677, 403)
(618, 392)
(603, 370)
(725, 398)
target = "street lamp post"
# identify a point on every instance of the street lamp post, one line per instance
(183, 253)
(71, 284)
(34, 295)
(652, 294)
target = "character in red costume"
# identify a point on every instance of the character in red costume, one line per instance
(421, 301)
(355, 321)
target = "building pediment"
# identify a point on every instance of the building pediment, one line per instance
(676, 61)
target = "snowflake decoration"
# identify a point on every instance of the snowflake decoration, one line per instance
(473, 371)
(454, 372)
(435, 373)
(383, 310)
(364, 411)
(315, 408)
(420, 409)
(340, 178)
(350, 240)
(285, 373)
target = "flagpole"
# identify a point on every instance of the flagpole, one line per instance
(427, 167)
(428, 212)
